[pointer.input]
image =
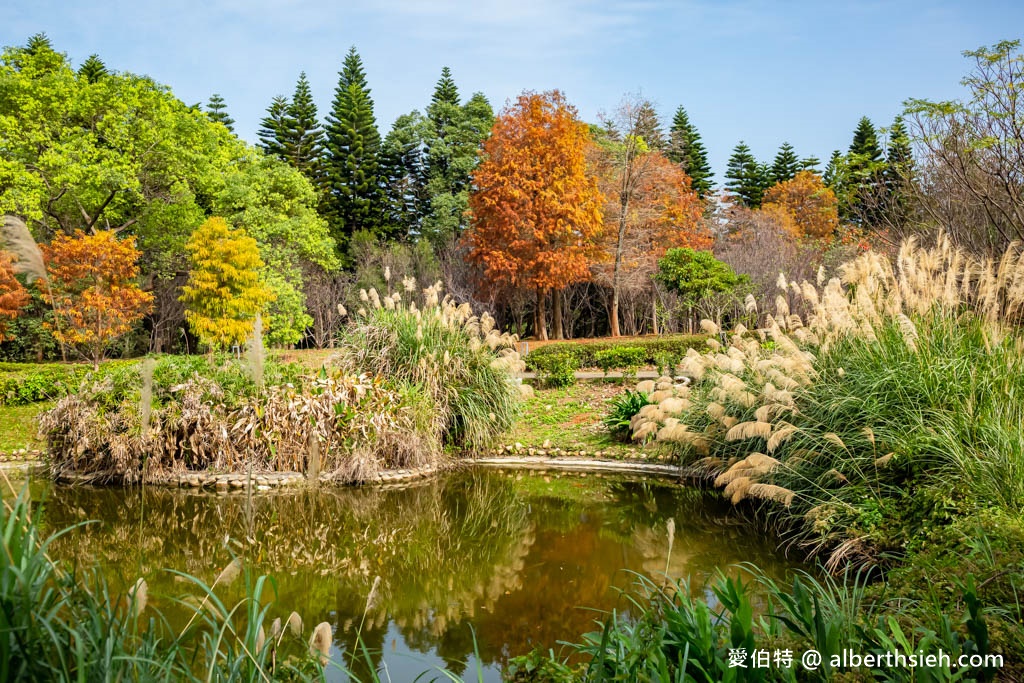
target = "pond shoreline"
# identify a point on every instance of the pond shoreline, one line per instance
(267, 481)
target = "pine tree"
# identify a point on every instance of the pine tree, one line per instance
(812, 164)
(217, 110)
(452, 137)
(402, 167)
(273, 127)
(686, 149)
(864, 197)
(786, 164)
(898, 167)
(865, 141)
(304, 137)
(747, 179)
(37, 43)
(832, 169)
(93, 69)
(355, 199)
(648, 126)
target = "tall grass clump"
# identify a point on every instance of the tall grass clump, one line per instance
(460, 361)
(672, 633)
(890, 406)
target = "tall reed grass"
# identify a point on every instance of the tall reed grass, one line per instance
(892, 403)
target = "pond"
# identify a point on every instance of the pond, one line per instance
(512, 561)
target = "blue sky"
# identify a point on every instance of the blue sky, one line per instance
(763, 72)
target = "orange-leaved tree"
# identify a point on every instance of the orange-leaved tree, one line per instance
(650, 207)
(13, 294)
(93, 290)
(536, 212)
(809, 202)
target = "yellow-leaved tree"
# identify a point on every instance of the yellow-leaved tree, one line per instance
(224, 293)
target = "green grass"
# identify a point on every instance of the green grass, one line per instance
(570, 418)
(18, 426)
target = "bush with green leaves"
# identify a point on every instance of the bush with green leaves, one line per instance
(585, 351)
(554, 369)
(625, 358)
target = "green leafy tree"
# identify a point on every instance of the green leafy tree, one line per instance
(120, 153)
(355, 199)
(699, 278)
(747, 179)
(896, 176)
(786, 164)
(686, 149)
(225, 292)
(217, 110)
(93, 69)
(274, 204)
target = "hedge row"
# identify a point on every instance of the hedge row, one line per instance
(586, 353)
(22, 383)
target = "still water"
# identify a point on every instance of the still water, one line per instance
(520, 560)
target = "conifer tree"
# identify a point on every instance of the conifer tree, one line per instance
(402, 167)
(747, 179)
(452, 137)
(899, 163)
(786, 164)
(865, 170)
(355, 199)
(304, 137)
(273, 127)
(217, 110)
(812, 164)
(93, 68)
(686, 149)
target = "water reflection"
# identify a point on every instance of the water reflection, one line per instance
(514, 556)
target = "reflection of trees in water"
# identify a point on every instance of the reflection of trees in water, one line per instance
(444, 550)
(470, 547)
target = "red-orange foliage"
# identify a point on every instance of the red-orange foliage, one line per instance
(663, 212)
(809, 202)
(92, 289)
(12, 294)
(536, 213)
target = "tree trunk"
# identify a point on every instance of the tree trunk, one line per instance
(556, 314)
(613, 314)
(542, 324)
(654, 313)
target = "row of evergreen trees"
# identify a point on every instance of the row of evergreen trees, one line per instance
(868, 180)
(415, 181)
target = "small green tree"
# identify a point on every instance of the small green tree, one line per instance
(224, 291)
(700, 280)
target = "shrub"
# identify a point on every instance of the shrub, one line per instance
(21, 384)
(625, 358)
(556, 369)
(584, 350)
(622, 409)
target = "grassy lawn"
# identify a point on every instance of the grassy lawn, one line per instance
(18, 426)
(570, 419)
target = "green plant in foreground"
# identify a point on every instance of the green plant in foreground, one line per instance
(621, 410)
(668, 634)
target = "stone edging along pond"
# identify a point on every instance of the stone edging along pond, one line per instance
(266, 481)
